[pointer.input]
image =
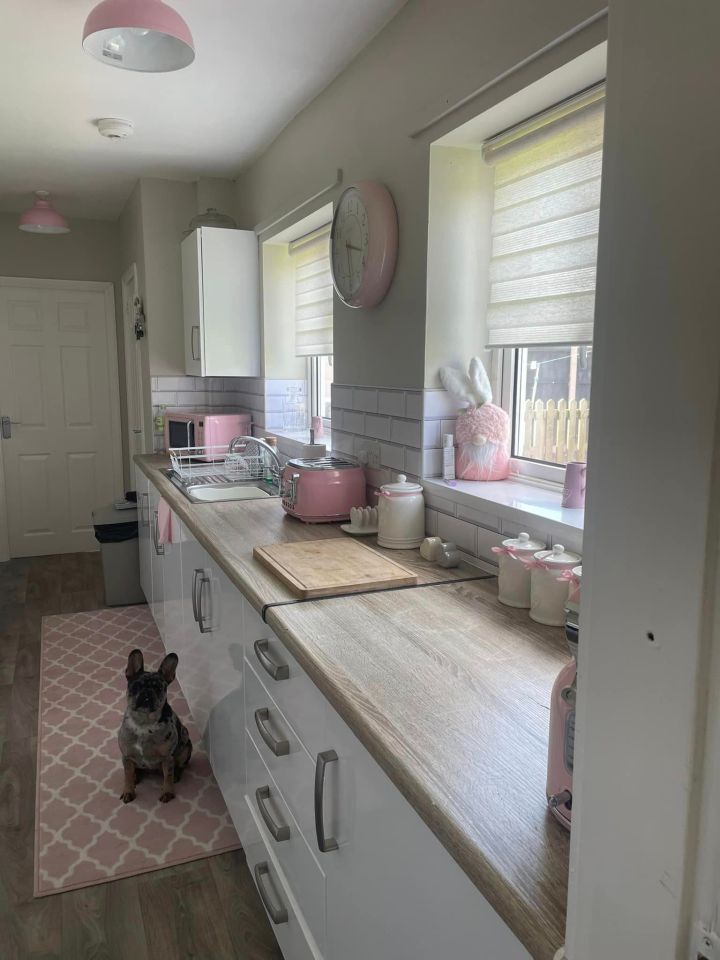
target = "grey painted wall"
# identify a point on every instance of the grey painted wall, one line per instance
(429, 56)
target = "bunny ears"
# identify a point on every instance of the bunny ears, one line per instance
(470, 389)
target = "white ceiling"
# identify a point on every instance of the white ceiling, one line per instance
(258, 62)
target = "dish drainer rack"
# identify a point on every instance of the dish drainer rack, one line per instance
(214, 464)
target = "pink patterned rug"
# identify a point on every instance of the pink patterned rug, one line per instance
(83, 833)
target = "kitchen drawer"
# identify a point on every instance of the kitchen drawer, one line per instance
(291, 688)
(290, 928)
(293, 770)
(302, 871)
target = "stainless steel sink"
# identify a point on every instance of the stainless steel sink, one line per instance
(209, 490)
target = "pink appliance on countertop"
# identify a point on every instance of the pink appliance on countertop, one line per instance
(204, 428)
(561, 747)
(322, 490)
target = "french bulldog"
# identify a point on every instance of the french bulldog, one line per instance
(151, 736)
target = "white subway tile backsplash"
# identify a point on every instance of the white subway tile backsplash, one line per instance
(486, 540)
(164, 398)
(414, 405)
(378, 427)
(448, 426)
(432, 463)
(365, 399)
(431, 519)
(197, 399)
(408, 432)
(367, 451)
(392, 456)
(342, 396)
(353, 422)
(459, 531)
(413, 461)
(391, 402)
(439, 403)
(439, 503)
(343, 442)
(431, 433)
(479, 517)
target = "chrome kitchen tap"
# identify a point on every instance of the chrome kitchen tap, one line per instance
(275, 465)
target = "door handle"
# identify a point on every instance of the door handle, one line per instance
(204, 628)
(325, 844)
(193, 594)
(279, 832)
(192, 341)
(278, 914)
(278, 671)
(145, 499)
(159, 547)
(281, 748)
(6, 425)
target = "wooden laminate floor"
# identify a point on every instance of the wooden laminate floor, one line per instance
(207, 910)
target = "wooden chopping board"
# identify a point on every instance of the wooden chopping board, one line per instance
(325, 568)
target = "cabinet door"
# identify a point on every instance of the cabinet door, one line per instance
(421, 904)
(230, 303)
(192, 303)
(157, 558)
(172, 591)
(142, 487)
(192, 647)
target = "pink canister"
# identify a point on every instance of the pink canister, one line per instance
(514, 573)
(548, 587)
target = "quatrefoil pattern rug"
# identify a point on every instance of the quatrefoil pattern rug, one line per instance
(84, 834)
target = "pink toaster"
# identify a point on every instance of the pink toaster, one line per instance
(322, 490)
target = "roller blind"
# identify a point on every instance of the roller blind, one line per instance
(545, 225)
(313, 294)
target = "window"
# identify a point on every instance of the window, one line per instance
(547, 174)
(321, 378)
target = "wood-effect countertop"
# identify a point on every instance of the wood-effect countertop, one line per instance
(446, 688)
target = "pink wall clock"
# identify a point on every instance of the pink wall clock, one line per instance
(364, 243)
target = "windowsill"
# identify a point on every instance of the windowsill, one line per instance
(513, 499)
(292, 443)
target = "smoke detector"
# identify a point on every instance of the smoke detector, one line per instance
(115, 129)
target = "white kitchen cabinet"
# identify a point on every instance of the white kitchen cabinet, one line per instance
(221, 304)
(157, 559)
(142, 488)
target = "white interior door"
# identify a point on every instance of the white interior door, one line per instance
(59, 392)
(133, 365)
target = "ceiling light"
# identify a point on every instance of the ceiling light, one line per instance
(42, 217)
(145, 35)
(114, 128)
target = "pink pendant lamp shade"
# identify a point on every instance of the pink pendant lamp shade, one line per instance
(145, 35)
(42, 217)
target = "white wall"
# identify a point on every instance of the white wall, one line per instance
(429, 56)
(650, 508)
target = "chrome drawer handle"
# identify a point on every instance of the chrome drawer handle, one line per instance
(145, 499)
(278, 914)
(159, 547)
(325, 844)
(280, 748)
(193, 593)
(192, 342)
(278, 671)
(204, 628)
(279, 832)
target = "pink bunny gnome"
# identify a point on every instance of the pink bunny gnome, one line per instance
(482, 432)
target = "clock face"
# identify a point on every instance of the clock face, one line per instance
(364, 242)
(350, 242)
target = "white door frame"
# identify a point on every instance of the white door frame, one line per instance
(133, 366)
(108, 290)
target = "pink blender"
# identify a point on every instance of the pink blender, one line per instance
(561, 748)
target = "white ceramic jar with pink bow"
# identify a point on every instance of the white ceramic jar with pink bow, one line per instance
(514, 574)
(548, 587)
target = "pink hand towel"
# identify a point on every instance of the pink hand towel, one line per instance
(164, 523)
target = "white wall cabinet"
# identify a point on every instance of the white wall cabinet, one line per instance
(221, 303)
(380, 884)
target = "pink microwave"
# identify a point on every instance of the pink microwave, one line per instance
(189, 428)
